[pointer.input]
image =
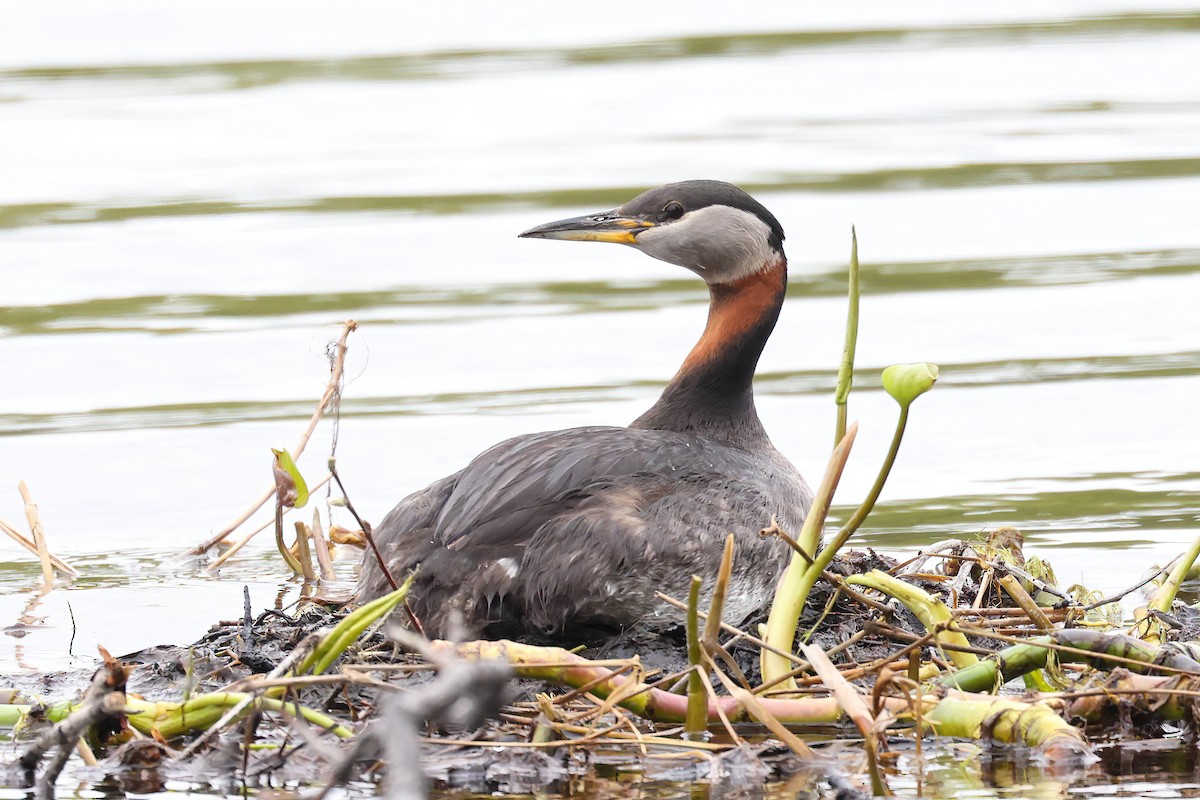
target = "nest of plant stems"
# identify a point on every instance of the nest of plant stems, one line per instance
(967, 640)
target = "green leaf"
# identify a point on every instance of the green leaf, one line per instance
(290, 487)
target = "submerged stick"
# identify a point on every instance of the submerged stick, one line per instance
(332, 388)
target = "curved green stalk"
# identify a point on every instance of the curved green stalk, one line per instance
(905, 383)
(933, 613)
(291, 561)
(801, 575)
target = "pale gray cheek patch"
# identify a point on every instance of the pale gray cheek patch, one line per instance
(720, 242)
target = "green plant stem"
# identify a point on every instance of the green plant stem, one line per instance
(846, 368)
(176, 719)
(868, 505)
(797, 581)
(292, 563)
(1164, 599)
(697, 700)
(565, 668)
(712, 627)
(801, 575)
(11, 715)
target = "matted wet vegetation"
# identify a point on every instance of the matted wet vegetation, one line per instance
(270, 701)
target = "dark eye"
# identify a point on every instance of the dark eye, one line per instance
(672, 210)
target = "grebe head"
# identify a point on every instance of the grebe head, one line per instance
(711, 227)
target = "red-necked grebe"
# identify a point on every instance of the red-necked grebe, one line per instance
(577, 529)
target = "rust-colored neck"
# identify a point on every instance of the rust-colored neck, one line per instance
(712, 394)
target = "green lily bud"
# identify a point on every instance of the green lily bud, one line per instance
(907, 382)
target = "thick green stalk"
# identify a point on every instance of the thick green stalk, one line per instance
(562, 667)
(801, 575)
(797, 581)
(1012, 662)
(1007, 721)
(11, 715)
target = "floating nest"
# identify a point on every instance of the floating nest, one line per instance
(323, 697)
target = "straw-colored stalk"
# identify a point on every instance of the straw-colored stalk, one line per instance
(39, 535)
